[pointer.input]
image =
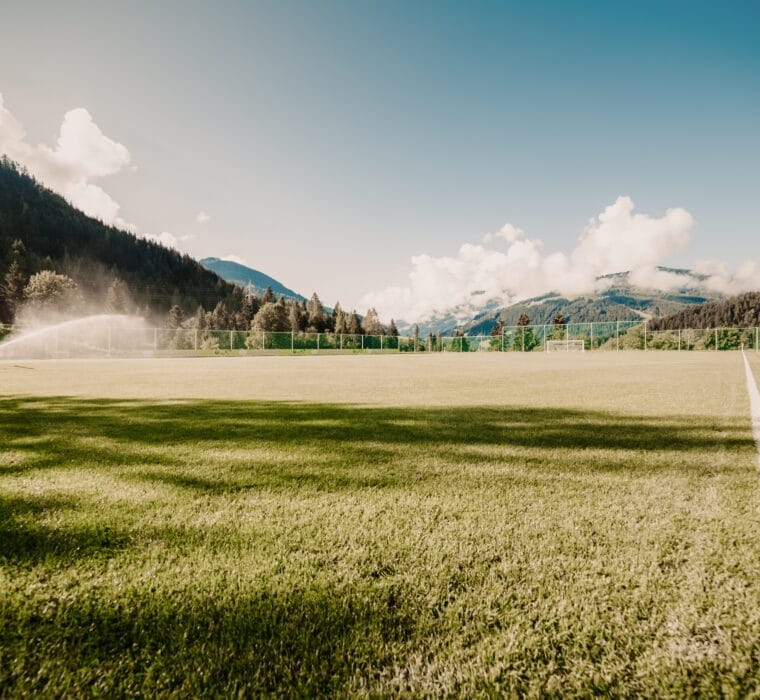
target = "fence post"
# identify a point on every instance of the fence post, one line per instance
(195, 341)
(362, 337)
(381, 342)
(461, 343)
(503, 331)
(230, 341)
(341, 341)
(716, 340)
(292, 341)
(263, 340)
(318, 342)
(679, 340)
(645, 334)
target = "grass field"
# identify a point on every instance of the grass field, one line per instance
(440, 524)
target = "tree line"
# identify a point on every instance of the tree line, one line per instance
(268, 313)
(742, 311)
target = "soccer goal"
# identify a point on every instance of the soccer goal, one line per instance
(565, 346)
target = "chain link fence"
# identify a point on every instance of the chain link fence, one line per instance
(152, 342)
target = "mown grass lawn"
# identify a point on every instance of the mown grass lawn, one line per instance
(566, 536)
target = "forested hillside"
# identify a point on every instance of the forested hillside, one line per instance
(39, 230)
(742, 311)
(54, 257)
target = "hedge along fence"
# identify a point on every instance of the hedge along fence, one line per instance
(533, 338)
(211, 341)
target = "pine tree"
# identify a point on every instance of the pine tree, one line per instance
(372, 325)
(250, 306)
(392, 330)
(16, 279)
(524, 338)
(269, 296)
(220, 318)
(295, 316)
(340, 320)
(200, 318)
(175, 317)
(497, 335)
(559, 330)
(337, 309)
(317, 322)
(117, 298)
(354, 325)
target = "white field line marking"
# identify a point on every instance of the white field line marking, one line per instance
(754, 405)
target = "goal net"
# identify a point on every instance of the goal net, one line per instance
(565, 346)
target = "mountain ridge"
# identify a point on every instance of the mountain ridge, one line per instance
(237, 273)
(619, 300)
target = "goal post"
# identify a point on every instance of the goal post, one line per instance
(565, 346)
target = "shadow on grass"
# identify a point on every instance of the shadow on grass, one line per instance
(298, 640)
(56, 530)
(338, 447)
(310, 641)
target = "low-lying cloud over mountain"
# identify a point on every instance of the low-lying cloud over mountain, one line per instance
(82, 155)
(508, 266)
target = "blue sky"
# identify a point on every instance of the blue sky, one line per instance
(329, 142)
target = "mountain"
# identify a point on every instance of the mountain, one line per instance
(617, 300)
(56, 236)
(242, 275)
(741, 311)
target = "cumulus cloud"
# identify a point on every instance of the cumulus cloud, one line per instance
(202, 217)
(508, 232)
(235, 258)
(509, 267)
(169, 240)
(82, 153)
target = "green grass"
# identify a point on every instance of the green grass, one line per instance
(546, 541)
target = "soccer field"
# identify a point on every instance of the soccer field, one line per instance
(431, 524)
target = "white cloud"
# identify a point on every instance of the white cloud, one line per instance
(82, 153)
(235, 258)
(202, 217)
(720, 278)
(169, 240)
(616, 240)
